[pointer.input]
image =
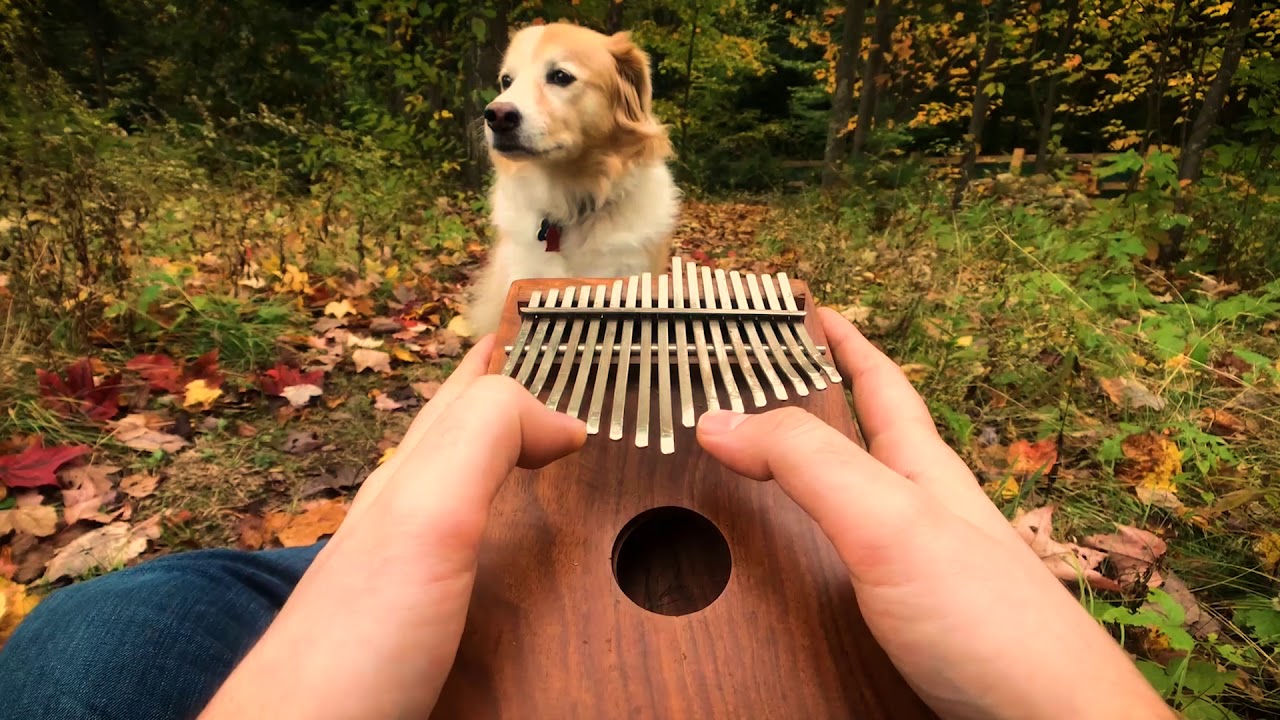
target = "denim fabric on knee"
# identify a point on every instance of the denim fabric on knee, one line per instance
(151, 642)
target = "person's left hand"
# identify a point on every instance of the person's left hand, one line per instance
(372, 628)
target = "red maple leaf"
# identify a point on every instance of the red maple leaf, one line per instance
(78, 392)
(160, 372)
(36, 465)
(275, 380)
(164, 373)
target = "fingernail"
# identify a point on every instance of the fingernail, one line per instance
(720, 421)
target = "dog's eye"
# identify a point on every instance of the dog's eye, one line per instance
(560, 77)
(505, 81)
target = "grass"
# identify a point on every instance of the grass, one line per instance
(1007, 314)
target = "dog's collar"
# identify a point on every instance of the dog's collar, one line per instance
(549, 233)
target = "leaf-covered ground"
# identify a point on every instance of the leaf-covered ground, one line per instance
(1126, 421)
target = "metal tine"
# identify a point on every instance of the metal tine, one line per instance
(646, 362)
(606, 358)
(784, 329)
(700, 342)
(717, 339)
(624, 366)
(769, 336)
(753, 337)
(526, 367)
(584, 363)
(522, 337)
(735, 339)
(571, 349)
(682, 345)
(549, 357)
(789, 301)
(666, 432)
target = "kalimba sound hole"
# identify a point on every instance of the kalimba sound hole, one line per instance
(671, 561)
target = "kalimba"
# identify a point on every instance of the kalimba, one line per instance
(636, 579)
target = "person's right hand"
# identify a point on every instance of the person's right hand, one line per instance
(965, 610)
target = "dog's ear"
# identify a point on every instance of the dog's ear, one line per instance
(633, 71)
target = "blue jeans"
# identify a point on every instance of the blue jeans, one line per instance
(150, 642)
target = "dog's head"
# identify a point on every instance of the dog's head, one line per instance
(566, 90)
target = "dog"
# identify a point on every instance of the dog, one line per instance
(581, 183)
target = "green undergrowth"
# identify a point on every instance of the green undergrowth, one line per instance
(1010, 315)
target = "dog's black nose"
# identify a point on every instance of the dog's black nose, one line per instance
(502, 117)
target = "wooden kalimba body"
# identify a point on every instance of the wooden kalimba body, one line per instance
(639, 578)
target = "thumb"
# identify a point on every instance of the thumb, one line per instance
(863, 507)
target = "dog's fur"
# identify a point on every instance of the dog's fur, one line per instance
(588, 155)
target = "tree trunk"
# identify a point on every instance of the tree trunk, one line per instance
(1216, 95)
(867, 99)
(981, 100)
(1051, 92)
(855, 13)
(613, 17)
(1207, 119)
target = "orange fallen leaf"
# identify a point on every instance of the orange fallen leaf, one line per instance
(15, 605)
(319, 518)
(1130, 393)
(1027, 458)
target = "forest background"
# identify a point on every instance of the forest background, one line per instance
(234, 238)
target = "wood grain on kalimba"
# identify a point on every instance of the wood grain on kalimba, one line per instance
(632, 581)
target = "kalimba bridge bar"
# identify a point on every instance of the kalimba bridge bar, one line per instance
(579, 347)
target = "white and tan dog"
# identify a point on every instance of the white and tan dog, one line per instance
(582, 186)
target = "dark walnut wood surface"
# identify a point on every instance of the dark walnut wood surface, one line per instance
(551, 633)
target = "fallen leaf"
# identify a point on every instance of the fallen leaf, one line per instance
(160, 372)
(1161, 492)
(1026, 458)
(1152, 461)
(298, 442)
(383, 401)
(403, 355)
(1268, 549)
(459, 326)
(253, 533)
(281, 377)
(354, 340)
(345, 477)
(1130, 393)
(107, 547)
(299, 395)
(1132, 553)
(200, 395)
(139, 485)
(1067, 561)
(916, 372)
(87, 489)
(15, 605)
(426, 390)
(1223, 422)
(7, 566)
(856, 314)
(375, 360)
(37, 520)
(36, 465)
(339, 309)
(319, 518)
(963, 341)
(135, 431)
(1200, 624)
(77, 392)
(444, 343)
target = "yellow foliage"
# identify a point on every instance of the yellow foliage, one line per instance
(15, 605)
(1268, 549)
